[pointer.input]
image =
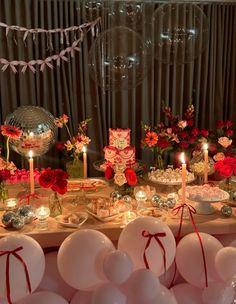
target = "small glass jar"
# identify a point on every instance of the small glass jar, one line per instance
(55, 204)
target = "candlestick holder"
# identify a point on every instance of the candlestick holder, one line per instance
(42, 213)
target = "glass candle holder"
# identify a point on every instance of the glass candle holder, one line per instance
(141, 198)
(128, 217)
(11, 204)
(42, 213)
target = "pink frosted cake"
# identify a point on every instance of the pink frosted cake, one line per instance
(119, 150)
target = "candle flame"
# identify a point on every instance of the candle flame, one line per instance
(84, 149)
(31, 134)
(205, 146)
(30, 153)
(182, 158)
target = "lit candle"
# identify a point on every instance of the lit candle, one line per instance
(184, 174)
(10, 203)
(85, 161)
(31, 169)
(205, 153)
(42, 213)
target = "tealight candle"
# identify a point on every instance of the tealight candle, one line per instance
(184, 173)
(31, 169)
(205, 153)
(10, 204)
(129, 216)
(85, 161)
(140, 197)
(42, 213)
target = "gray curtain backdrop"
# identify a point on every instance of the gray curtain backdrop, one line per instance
(209, 81)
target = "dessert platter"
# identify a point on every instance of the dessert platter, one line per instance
(151, 211)
(169, 176)
(204, 196)
(86, 185)
(105, 210)
(72, 220)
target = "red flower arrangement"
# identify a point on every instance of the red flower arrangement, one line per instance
(12, 132)
(121, 175)
(226, 167)
(56, 179)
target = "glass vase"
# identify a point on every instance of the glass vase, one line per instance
(55, 204)
(159, 162)
(124, 189)
(3, 195)
(75, 168)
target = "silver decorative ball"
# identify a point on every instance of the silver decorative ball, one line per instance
(116, 195)
(233, 195)
(127, 198)
(226, 211)
(39, 131)
(155, 200)
(161, 204)
(27, 213)
(8, 217)
(18, 223)
(170, 202)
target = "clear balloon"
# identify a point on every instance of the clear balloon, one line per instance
(82, 297)
(80, 259)
(33, 257)
(181, 32)
(218, 293)
(187, 294)
(108, 294)
(192, 269)
(225, 262)
(43, 297)
(142, 286)
(140, 232)
(52, 281)
(117, 59)
(39, 131)
(117, 266)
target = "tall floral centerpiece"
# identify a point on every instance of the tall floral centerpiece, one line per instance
(179, 135)
(124, 178)
(56, 180)
(73, 147)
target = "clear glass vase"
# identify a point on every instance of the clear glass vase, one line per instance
(124, 189)
(159, 162)
(55, 204)
(75, 168)
(3, 195)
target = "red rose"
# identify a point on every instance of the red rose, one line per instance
(61, 174)
(183, 134)
(131, 177)
(192, 139)
(204, 132)
(229, 132)
(212, 148)
(195, 131)
(4, 175)
(109, 173)
(183, 144)
(162, 143)
(47, 178)
(218, 165)
(190, 122)
(230, 161)
(234, 169)
(220, 124)
(60, 186)
(60, 146)
(226, 171)
(228, 123)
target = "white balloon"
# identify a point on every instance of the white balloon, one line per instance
(233, 244)
(225, 262)
(108, 294)
(142, 286)
(189, 258)
(80, 259)
(117, 266)
(170, 276)
(164, 297)
(135, 237)
(187, 294)
(43, 297)
(82, 297)
(218, 293)
(226, 239)
(32, 255)
(52, 281)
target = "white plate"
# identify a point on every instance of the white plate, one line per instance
(107, 218)
(79, 184)
(205, 200)
(83, 219)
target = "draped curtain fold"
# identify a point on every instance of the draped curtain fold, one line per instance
(209, 81)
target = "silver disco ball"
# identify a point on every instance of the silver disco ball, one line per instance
(39, 131)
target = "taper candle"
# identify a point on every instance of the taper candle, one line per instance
(85, 161)
(205, 153)
(184, 174)
(31, 169)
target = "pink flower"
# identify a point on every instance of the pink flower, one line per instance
(182, 124)
(225, 141)
(219, 156)
(62, 120)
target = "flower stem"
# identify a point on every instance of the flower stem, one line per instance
(7, 146)
(68, 131)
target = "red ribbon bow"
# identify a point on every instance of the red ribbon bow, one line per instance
(191, 211)
(18, 257)
(156, 236)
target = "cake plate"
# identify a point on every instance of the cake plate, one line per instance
(139, 167)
